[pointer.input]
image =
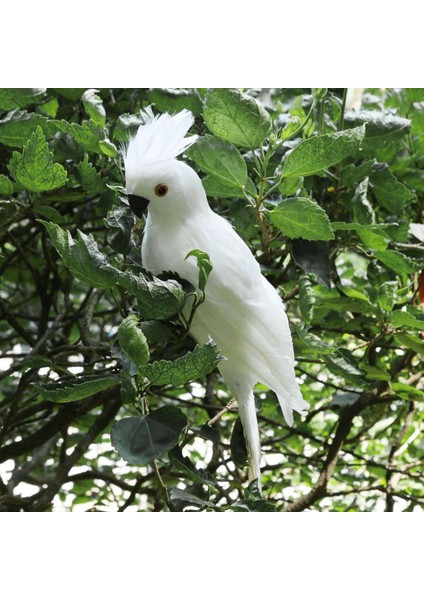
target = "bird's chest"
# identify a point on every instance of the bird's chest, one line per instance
(165, 249)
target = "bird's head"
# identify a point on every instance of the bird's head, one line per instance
(155, 179)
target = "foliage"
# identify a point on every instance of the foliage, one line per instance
(106, 402)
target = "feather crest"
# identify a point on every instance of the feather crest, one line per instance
(160, 137)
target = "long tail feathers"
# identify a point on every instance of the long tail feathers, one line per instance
(247, 412)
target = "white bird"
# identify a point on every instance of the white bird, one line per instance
(242, 312)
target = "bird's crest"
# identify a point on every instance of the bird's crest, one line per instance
(160, 137)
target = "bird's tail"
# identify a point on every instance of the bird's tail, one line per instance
(249, 420)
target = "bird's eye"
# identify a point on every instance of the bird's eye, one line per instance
(161, 190)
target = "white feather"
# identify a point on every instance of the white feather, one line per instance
(242, 312)
(161, 137)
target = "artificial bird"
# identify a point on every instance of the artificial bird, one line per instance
(242, 312)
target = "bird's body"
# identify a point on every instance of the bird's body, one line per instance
(242, 312)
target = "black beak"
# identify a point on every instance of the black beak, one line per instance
(138, 204)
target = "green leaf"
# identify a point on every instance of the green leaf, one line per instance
(382, 127)
(50, 213)
(322, 152)
(6, 186)
(238, 445)
(362, 210)
(415, 94)
(220, 159)
(133, 341)
(217, 188)
(400, 318)
(371, 239)
(398, 262)
(290, 186)
(89, 178)
(290, 128)
(120, 222)
(390, 192)
(307, 298)
(236, 117)
(94, 107)
(108, 148)
(34, 169)
(88, 135)
(352, 174)
(182, 498)
(73, 94)
(156, 299)
(19, 125)
(189, 367)
(314, 343)
(176, 99)
(407, 392)
(344, 364)
(410, 341)
(139, 440)
(73, 390)
(185, 465)
(204, 265)
(387, 295)
(81, 256)
(126, 125)
(372, 236)
(319, 93)
(301, 218)
(11, 98)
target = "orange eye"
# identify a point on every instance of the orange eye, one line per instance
(161, 190)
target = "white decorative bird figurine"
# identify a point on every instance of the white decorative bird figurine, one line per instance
(242, 311)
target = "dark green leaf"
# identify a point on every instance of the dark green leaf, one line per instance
(307, 298)
(204, 265)
(94, 107)
(19, 97)
(400, 318)
(156, 299)
(386, 295)
(314, 343)
(120, 222)
(236, 117)
(81, 256)
(133, 341)
(76, 389)
(6, 186)
(185, 465)
(34, 168)
(217, 188)
(344, 364)
(398, 262)
(382, 127)
(362, 210)
(302, 218)
(89, 178)
(126, 125)
(219, 159)
(238, 445)
(322, 152)
(390, 192)
(175, 100)
(189, 367)
(184, 498)
(139, 440)
(18, 126)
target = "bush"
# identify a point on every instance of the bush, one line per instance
(105, 401)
